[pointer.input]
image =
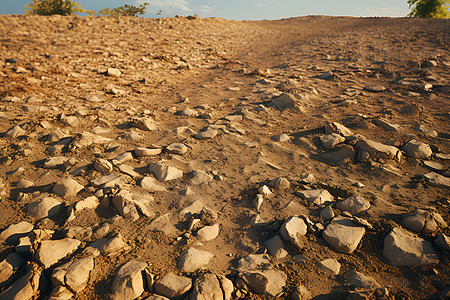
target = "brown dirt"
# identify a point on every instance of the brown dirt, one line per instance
(164, 61)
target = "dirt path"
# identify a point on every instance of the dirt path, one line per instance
(159, 82)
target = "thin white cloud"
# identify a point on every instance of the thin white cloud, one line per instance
(168, 6)
(261, 5)
(205, 9)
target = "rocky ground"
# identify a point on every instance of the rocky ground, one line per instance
(188, 158)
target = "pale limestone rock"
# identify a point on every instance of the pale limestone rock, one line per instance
(173, 286)
(354, 204)
(50, 252)
(151, 185)
(208, 233)
(44, 208)
(316, 196)
(343, 235)
(192, 260)
(268, 282)
(8, 268)
(417, 149)
(129, 281)
(330, 266)
(276, 248)
(74, 275)
(329, 141)
(67, 187)
(403, 248)
(24, 288)
(163, 172)
(294, 230)
(13, 233)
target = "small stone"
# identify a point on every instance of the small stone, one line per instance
(208, 233)
(417, 149)
(281, 138)
(177, 148)
(26, 287)
(124, 204)
(67, 187)
(316, 196)
(327, 213)
(187, 112)
(330, 266)
(343, 235)
(376, 151)
(163, 172)
(129, 281)
(74, 275)
(139, 152)
(114, 72)
(23, 183)
(15, 132)
(326, 75)
(173, 286)
(284, 101)
(301, 293)
(437, 180)
(357, 280)
(151, 185)
(54, 162)
(44, 208)
(435, 166)
(375, 88)
(13, 233)
(200, 177)
(103, 166)
(423, 221)
(276, 248)
(146, 123)
(50, 252)
(253, 262)
(334, 127)
(402, 248)
(329, 141)
(91, 202)
(9, 267)
(443, 241)
(207, 287)
(354, 204)
(269, 282)
(294, 230)
(79, 233)
(121, 158)
(280, 184)
(163, 224)
(208, 133)
(192, 260)
(107, 181)
(426, 131)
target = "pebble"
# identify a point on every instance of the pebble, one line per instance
(121, 158)
(192, 260)
(13, 233)
(173, 286)
(316, 196)
(103, 166)
(151, 185)
(423, 221)
(177, 148)
(207, 287)
(280, 184)
(253, 262)
(301, 293)
(129, 282)
(114, 72)
(367, 149)
(141, 151)
(437, 180)
(417, 149)
(208, 133)
(330, 266)
(50, 252)
(402, 248)
(294, 230)
(268, 282)
(343, 235)
(67, 187)
(8, 268)
(327, 213)
(354, 204)
(200, 177)
(44, 208)
(281, 138)
(74, 274)
(375, 88)
(276, 248)
(164, 172)
(187, 112)
(163, 224)
(208, 233)
(329, 141)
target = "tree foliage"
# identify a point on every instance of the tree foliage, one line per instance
(124, 10)
(429, 8)
(53, 7)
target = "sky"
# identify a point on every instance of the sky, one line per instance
(243, 9)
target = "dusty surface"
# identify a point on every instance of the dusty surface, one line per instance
(209, 65)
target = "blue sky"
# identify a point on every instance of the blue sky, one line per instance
(244, 9)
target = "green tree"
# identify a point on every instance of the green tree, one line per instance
(54, 7)
(429, 8)
(124, 10)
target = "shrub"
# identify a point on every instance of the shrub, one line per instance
(124, 10)
(428, 9)
(53, 7)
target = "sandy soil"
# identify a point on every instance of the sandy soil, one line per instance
(219, 68)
